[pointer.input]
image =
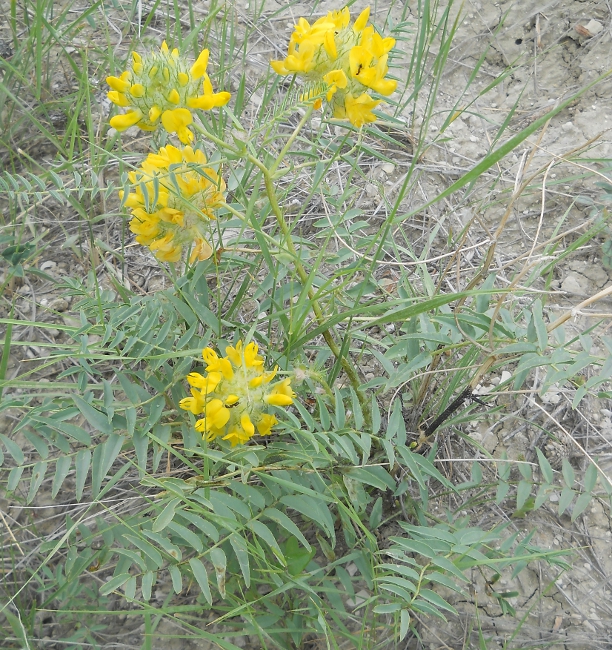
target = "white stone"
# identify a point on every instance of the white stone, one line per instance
(388, 168)
(567, 127)
(594, 27)
(572, 284)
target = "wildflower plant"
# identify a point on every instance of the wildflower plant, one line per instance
(269, 479)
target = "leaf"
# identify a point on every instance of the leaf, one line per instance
(376, 514)
(590, 478)
(104, 457)
(177, 578)
(205, 526)
(297, 557)
(219, 562)
(522, 493)
(62, 468)
(312, 509)
(400, 582)
(414, 547)
(436, 600)
(189, 536)
(283, 520)
(567, 494)
(14, 477)
(148, 580)
(13, 449)
(261, 530)
(114, 583)
(166, 515)
(38, 475)
(401, 569)
(412, 465)
(376, 476)
(240, 549)
(199, 573)
(545, 467)
(404, 624)
(97, 419)
(581, 504)
(82, 463)
(569, 475)
(147, 548)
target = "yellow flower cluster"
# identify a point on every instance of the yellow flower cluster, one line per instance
(234, 394)
(172, 201)
(349, 60)
(162, 89)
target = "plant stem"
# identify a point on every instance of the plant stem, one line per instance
(348, 368)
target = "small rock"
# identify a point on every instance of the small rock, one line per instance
(567, 127)
(58, 304)
(48, 264)
(388, 168)
(594, 27)
(553, 498)
(371, 189)
(572, 284)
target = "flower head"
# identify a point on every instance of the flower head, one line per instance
(173, 199)
(234, 395)
(350, 60)
(162, 89)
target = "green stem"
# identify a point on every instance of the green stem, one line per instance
(291, 140)
(348, 368)
(269, 176)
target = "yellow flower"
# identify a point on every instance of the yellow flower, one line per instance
(161, 89)
(234, 394)
(173, 199)
(349, 61)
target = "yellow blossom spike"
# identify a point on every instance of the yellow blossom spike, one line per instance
(332, 45)
(136, 57)
(174, 97)
(137, 68)
(183, 78)
(173, 204)
(164, 47)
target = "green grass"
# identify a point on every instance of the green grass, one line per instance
(368, 303)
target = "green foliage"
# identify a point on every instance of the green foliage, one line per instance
(286, 540)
